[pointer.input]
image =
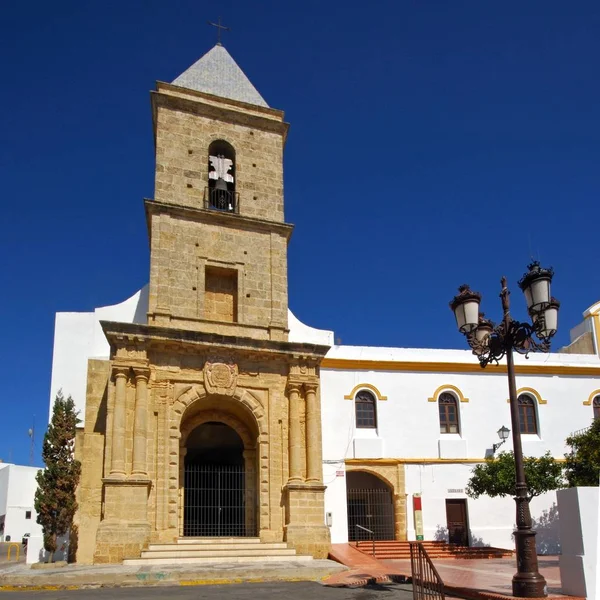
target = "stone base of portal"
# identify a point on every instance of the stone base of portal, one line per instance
(305, 528)
(116, 541)
(125, 531)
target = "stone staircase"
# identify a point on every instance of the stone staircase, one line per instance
(216, 550)
(401, 550)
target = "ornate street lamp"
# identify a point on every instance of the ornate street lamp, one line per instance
(503, 435)
(490, 343)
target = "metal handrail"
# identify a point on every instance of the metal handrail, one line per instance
(372, 535)
(580, 431)
(426, 581)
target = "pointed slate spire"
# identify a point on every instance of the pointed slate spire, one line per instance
(218, 74)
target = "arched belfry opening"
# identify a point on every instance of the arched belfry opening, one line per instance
(218, 473)
(221, 194)
(370, 507)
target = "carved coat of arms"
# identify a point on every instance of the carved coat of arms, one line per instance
(220, 376)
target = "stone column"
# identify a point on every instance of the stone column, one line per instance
(117, 463)
(140, 422)
(314, 471)
(294, 434)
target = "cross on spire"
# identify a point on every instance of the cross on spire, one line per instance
(219, 27)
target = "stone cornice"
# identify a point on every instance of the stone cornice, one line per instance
(225, 219)
(119, 334)
(215, 107)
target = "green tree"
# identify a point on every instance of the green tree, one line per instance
(583, 462)
(55, 501)
(496, 477)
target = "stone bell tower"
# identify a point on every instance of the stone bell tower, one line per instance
(218, 236)
(211, 384)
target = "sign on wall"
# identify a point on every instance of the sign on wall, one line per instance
(418, 512)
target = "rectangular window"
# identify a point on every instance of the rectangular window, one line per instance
(221, 294)
(28, 514)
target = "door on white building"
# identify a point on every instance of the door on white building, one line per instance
(457, 522)
(370, 507)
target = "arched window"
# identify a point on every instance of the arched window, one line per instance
(448, 413)
(364, 403)
(596, 404)
(527, 414)
(221, 177)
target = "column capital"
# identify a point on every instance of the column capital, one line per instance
(311, 386)
(120, 371)
(141, 372)
(294, 386)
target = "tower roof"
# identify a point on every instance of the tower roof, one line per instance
(218, 74)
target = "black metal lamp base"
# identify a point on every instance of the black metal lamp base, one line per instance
(529, 585)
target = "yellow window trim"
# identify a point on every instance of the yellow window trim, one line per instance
(444, 388)
(530, 392)
(589, 401)
(365, 386)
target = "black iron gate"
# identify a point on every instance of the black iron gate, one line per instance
(216, 501)
(372, 509)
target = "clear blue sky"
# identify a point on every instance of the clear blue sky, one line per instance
(432, 143)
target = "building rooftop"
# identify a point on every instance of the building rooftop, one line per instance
(218, 74)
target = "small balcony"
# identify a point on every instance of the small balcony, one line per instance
(223, 200)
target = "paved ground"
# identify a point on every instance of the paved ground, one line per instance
(493, 575)
(82, 576)
(244, 591)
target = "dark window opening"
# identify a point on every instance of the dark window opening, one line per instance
(596, 407)
(220, 193)
(448, 413)
(527, 417)
(365, 410)
(28, 514)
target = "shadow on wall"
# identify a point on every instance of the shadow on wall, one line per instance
(441, 535)
(546, 526)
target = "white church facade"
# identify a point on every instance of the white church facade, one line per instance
(207, 362)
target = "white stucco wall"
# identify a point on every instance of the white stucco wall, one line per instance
(79, 337)
(4, 472)
(18, 485)
(580, 509)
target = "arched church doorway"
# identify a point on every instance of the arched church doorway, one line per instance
(218, 491)
(370, 507)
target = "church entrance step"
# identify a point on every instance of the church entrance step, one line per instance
(181, 553)
(218, 540)
(217, 559)
(390, 549)
(211, 550)
(217, 546)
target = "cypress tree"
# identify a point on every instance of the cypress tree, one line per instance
(55, 501)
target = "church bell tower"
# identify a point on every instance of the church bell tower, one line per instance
(210, 384)
(217, 229)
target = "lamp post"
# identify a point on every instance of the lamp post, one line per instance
(490, 343)
(503, 435)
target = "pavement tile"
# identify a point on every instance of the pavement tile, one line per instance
(485, 579)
